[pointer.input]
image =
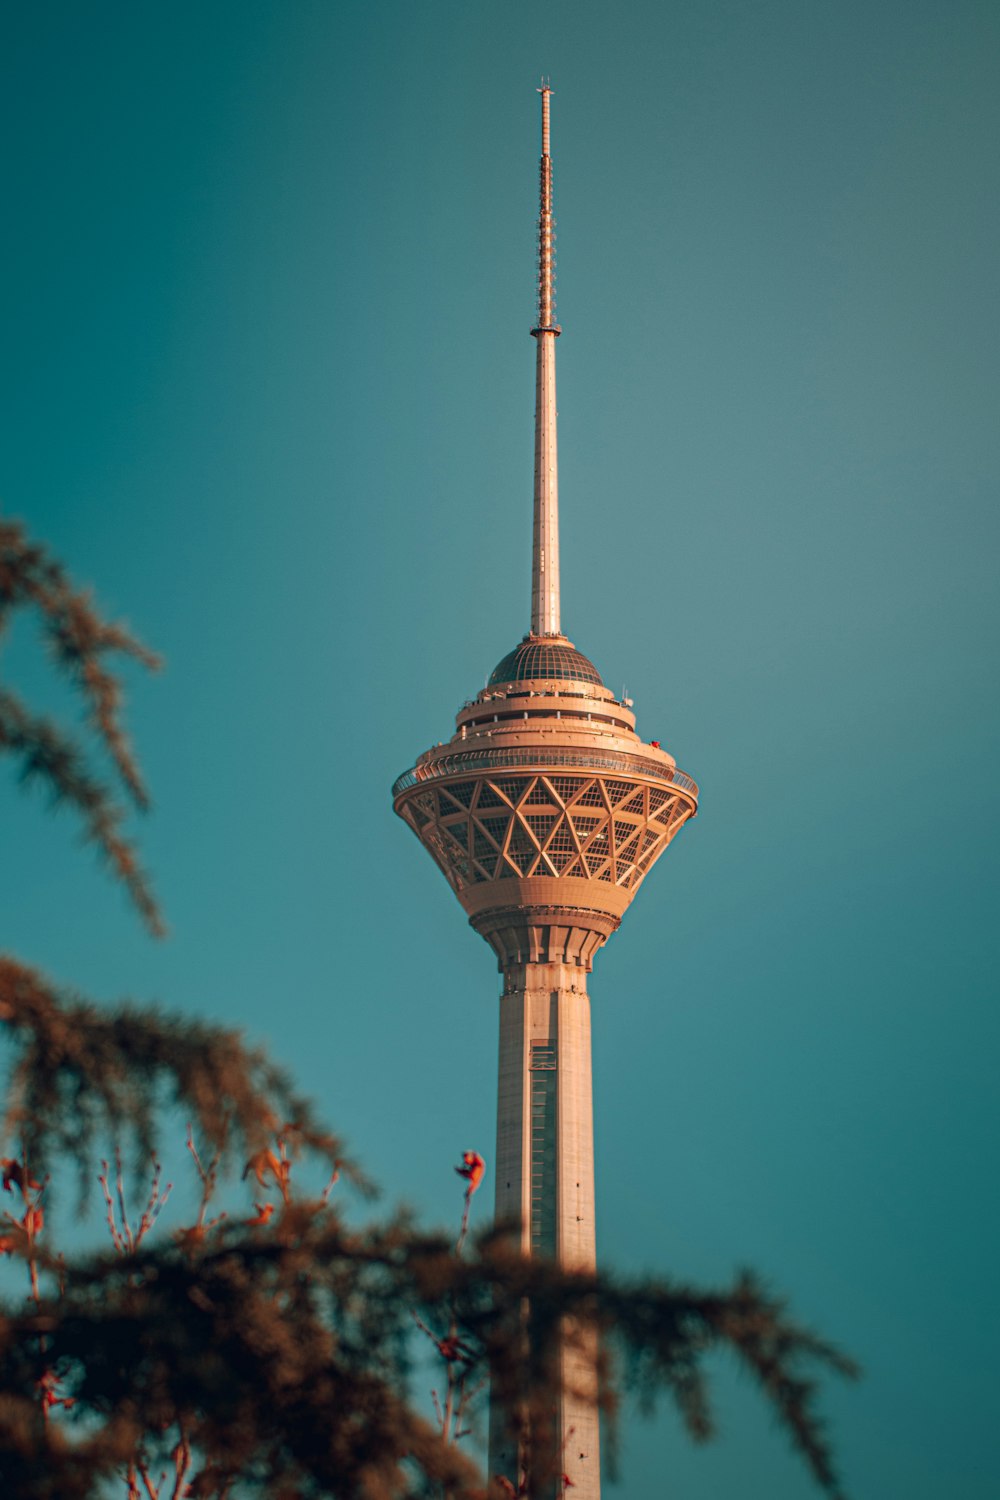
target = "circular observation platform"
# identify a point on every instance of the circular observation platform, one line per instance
(545, 811)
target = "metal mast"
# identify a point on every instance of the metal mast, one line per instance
(545, 546)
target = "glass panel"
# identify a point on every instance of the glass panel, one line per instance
(627, 851)
(495, 827)
(584, 823)
(544, 1083)
(511, 789)
(540, 824)
(484, 851)
(489, 798)
(561, 842)
(565, 787)
(597, 851)
(624, 833)
(521, 850)
(545, 660)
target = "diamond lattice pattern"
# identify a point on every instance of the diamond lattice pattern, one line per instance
(582, 827)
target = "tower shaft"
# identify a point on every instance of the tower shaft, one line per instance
(545, 1182)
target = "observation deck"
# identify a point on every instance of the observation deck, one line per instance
(545, 810)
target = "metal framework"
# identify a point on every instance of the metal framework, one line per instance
(573, 827)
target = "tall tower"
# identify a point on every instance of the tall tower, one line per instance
(545, 811)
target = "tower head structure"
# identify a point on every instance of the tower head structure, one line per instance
(545, 811)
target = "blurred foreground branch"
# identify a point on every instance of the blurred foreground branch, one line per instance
(80, 641)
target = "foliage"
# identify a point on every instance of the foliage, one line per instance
(79, 643)
(269, 1350)
(79, 1070)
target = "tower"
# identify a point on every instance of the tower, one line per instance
(546, 811)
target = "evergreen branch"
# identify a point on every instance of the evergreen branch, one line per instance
(49, 756)
(80, 641)
(78, 637)
(661, 1331)
(77, 1068)
(310, 1318)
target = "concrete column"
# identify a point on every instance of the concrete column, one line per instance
(545, 534)
(545, 1172)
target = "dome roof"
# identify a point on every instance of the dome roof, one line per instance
(544, 657)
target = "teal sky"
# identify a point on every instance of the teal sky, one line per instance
(268, 386)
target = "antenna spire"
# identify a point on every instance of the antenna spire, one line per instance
(545, 542)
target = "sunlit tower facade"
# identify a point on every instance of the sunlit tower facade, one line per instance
(545, 811)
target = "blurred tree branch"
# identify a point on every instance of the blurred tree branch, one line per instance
(79, 641)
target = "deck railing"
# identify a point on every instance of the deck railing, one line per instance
(462, 762)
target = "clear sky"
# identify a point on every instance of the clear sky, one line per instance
(266, 295)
